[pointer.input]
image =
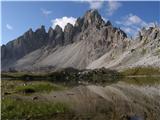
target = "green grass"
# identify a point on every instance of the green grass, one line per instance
(13, 74)
(26, 75)
(142, 80)
(145, 41)
(141, 71)
(158, 51)
(143, 52)
(18, 109)
(39, 87)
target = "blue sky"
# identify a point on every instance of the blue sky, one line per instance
(18, 17)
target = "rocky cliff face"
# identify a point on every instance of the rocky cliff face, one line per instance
(23, 45)
(143, 51)
(82, 45)
(68, 34)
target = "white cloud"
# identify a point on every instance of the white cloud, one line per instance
(63, 21)
(104, 19)
(46, 12)
(112, 7)
(127, 29)
(9, 27)
(134, 20)
(151, 24)
(131, 24)
(130, 30)
(95, 4)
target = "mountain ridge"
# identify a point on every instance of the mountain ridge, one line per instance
(81, 46)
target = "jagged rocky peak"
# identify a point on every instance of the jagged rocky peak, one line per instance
(50, 32)
(68, 34)
(79, 22)
(91, 27)
(59, 35)
(58, 29)
(68, 27)
(51, 35)
(30, 31)
(28, 34)
(41, 30)
(149, 33)
(90, 18)
(108, 23)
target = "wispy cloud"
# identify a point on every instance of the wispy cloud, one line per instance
(132, 20)
(95, 4)
(63, 21)
(46, 12)
(104, 19)
(112, 6)
(9, 27)
(131, 24)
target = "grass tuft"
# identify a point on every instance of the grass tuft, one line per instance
(39, 87)
(142, 81)
(141, 71)
(18, 109)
